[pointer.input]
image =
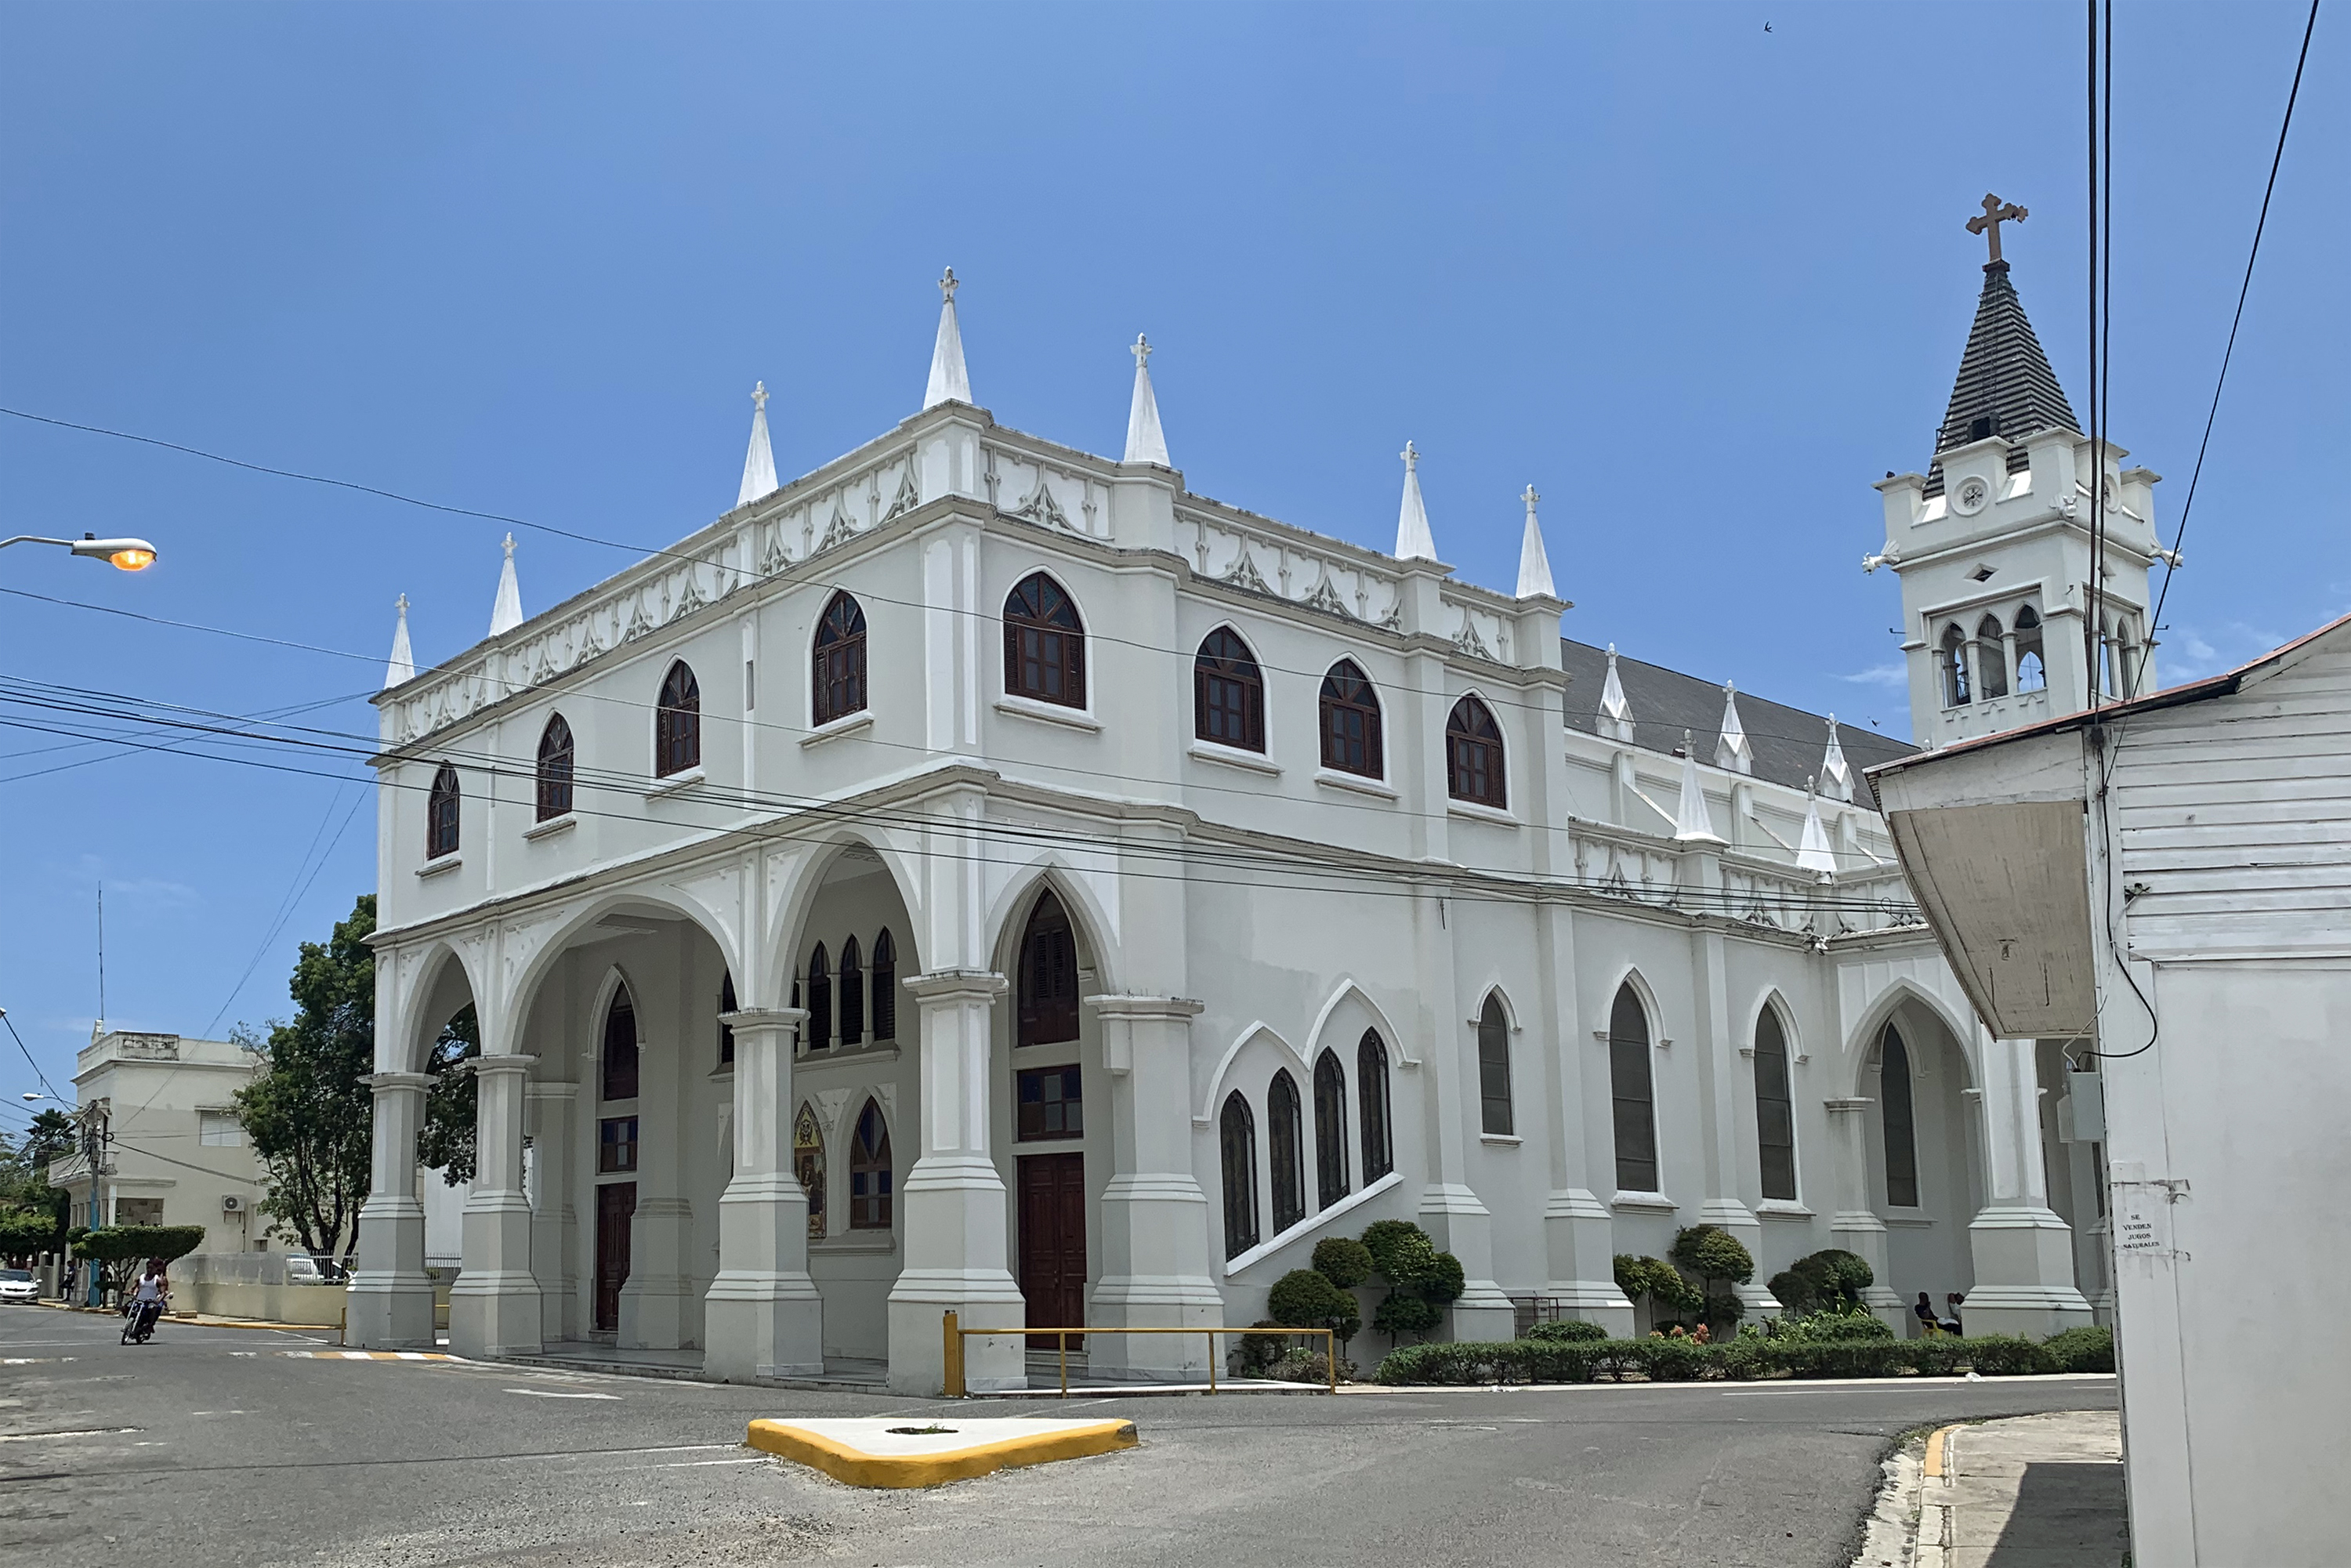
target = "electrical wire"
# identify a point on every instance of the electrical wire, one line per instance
(29, 1057)
(295, 891)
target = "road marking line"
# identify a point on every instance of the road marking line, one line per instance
(690, 1464)
(74, 1432)
(553, 1393)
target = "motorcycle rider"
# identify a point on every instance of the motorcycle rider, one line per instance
(147, 1305)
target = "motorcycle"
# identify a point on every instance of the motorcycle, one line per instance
(140, 1326)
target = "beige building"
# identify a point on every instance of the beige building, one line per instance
(175, 1152)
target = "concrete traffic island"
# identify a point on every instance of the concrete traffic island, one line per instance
(920, 1451)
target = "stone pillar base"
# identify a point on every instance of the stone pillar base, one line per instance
(386, 1310)
(1579, 1238)
(763, 1326)
(654, 1303)
(979, 1300)
(2024, 1274)
(493, 1315)
(1162, 1302)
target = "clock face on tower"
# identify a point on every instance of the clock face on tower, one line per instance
(1971, 495)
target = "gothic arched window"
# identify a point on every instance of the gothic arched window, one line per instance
(807, 1165)
(1283, 1134)
(1473, 755)
(1048, 976)
(441, 814)
(1631, 1095)
(1351, 723)
(837, 667)
(1227, 692)
(1044, 644)
(620, 1062)
(1775, 1109)
(677, 724)
(1991, 659)
(1495, 1114)
(819, 1000)
(885, 987)
(1330, 1130)
(1372, 1105)
(2031, 663)
(852, 995)
(1901, 1123)
(1237, 1144)
(1953, 662)
(869, 1171)
(555, 767)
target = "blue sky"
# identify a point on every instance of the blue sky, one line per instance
(1698, 282)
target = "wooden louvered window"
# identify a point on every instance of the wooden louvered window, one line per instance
(677, 724)
(1330, 1130)
(1283, 1132)
(1227, 692)
(1351, 723)
(555, 767)
(839, 661)
(1044, 644)
(441, 814)
(1237, 1145)
(1473, 755)
(1048, 976)
(1372, 1105)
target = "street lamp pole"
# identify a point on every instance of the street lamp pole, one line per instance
(128, 554)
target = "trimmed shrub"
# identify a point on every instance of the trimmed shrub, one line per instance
(2090, 1348)
(1658, 1280)
(1344, 1260)
(2007, 1356)
(1303, 1299)
(1830, 1324)
(1834, 1271)
(1684, 1359)
(1567, 1331)
(1384, 1238)
(1443, 1281)
(1713, 1253)
(1253, 1352)
(1405, 1313)
(1796, 1293)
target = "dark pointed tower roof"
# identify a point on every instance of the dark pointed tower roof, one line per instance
(2005, 386)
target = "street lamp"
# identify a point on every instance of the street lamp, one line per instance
(129, 555)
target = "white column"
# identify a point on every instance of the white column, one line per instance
(391, 1298)
(1579, 1233)
(958, 1212)
(1154, 1217)
(554, 1220)
(1856, 1227)
(1727, 1111)
(2023, 1251)
(494, 1307)
(762, 1316)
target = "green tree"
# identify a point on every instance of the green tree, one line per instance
(122, 1249)
(445, 1142)
(24, 1189)
(1716, 1256)
(307, 1112)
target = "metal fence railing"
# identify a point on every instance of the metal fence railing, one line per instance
(953, 1333)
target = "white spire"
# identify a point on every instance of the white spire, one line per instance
(1813, 851)
(948, 380)
(403, 663)
(1836, 778)
(1146, 441)
(1692, 820)
(505, 613)
(1535, 564)
(1414, 541)
(1615, 713)
(759, 463)
(1731, 750)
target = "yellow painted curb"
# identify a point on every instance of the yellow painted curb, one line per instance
(1936, 1448)
(843, 1463)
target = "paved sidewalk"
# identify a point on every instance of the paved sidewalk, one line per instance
(2029, 1491)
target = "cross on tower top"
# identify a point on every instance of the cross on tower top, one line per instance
(1141, 350)
(759, 397)
(1531, 499)
(947, 285)
(1995, 213)
(1411, 455)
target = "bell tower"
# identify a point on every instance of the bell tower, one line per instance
(1992, 544)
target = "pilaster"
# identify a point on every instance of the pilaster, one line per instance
(1155, 1216)
(956, 1227)
(762, 1315)
(494, 1307)
(551, 1112)
(391, 1297)
(2023, 1251)
(1856, 1227)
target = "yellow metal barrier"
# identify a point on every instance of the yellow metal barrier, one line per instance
(953, 1333)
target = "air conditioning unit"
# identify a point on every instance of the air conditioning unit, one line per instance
(232, 1204)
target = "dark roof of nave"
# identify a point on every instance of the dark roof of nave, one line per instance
(1788, 742)
(2005, 386)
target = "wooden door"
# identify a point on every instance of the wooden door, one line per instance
(616, 1206)
(1053, 1243)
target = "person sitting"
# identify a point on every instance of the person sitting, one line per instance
(1924, 1313)
(1950, 1320)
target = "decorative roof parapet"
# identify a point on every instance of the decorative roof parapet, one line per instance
(759, 460)
(1146, 441)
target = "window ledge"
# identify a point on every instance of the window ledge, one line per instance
(833, 1056)
(1048, 713)
(1782, 1208)
(552, 826)
(1654, 1201)
(1225, 755)
(855, 1241)
(1477, 813)
(1334, 778)
(1914, 1220)
(440, 865)
(1507, 1140)
(673, 783)
(833, 729)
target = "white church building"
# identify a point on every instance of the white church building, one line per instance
(981, 876)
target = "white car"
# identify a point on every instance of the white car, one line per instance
(18, 1287)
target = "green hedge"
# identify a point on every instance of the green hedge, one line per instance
(2082, 1350)
(1686, 1361)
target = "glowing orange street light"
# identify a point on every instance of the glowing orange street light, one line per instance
(126, 555)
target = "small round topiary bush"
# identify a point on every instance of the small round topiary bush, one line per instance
(1442, 1281)
(1395, 1246)
(1567, 1331)
(1405, 1313)
(1344, 1260)
(1713, 1253)
(1795, 1292)
(1303, 1299)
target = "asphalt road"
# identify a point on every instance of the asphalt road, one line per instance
(235, 1447)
